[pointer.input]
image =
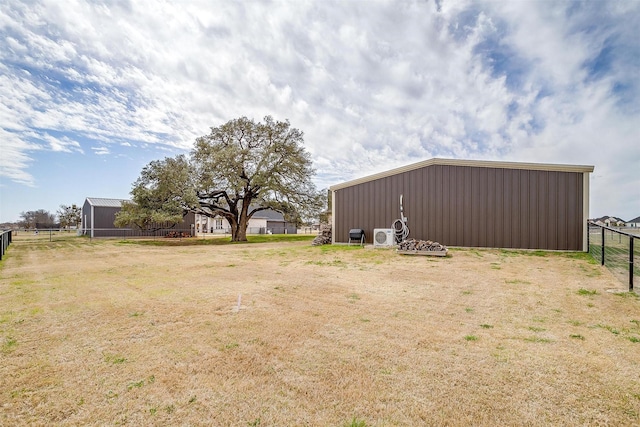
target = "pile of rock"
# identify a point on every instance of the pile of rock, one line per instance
(324, 238)
(421, 246)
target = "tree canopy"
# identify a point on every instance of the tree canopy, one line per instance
(34, 219)
(69, 215)
(238, 169)
(161, 196)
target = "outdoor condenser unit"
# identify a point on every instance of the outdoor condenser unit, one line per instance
(383, 237)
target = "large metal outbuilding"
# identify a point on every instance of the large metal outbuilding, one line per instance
(471, 204)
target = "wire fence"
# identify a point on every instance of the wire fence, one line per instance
(53, 234)
(617, 250)
(5, 241)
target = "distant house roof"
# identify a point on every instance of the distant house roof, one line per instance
(634, 220)
(604, 219)
(269, 215)
(105, 203)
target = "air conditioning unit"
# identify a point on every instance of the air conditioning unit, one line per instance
(383, 237)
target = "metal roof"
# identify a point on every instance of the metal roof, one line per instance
(269, 214)
(106, 203)
(472, 163)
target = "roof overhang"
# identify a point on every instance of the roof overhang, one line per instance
(470, 163)
(105, 202)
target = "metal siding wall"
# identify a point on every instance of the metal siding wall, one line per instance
(516, 216)
(104, 217)
(477, 203)
(562, 211)
(534, 182)
(574, 201)
(469, 206)
(543, 208)
(86, 212)
(467, 210)
(552, 221)
(489, 211)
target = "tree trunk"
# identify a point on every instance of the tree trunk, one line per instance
(239, 230)
(240, 234)
(243, 222)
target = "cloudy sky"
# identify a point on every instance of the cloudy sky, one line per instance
(91, 91)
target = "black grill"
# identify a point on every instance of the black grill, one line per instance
(356, 234)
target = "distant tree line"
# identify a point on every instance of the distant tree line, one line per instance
(66, 217)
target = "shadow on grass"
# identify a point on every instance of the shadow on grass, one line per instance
(221, 241)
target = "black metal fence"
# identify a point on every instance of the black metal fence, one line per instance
(254, 230)
(617, 250)
(5, 241)
(54, 234)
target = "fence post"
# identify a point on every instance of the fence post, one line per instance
(602, 260)
(631, 239)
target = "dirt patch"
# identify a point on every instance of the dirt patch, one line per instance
(102, 332)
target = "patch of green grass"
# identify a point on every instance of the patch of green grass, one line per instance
(469, 310)
(192, 399)
(583, 291)
(467, 292)
(230, 346)
(486, 326)
(355, 423)
(536, 329)
(136, 314)
(626, 294)
(334, 263)
(114, 359)
(576, 336)
(583, 256)
(517, 282)
(516, 252)
(9, 344)
(470, 338)
(339, 248)
(220, 241)
(635, 322)
(575, 322)
(135, 384)
(353, 297)
(609, 328)
(538, 340)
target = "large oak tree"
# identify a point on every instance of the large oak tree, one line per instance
(238, 169)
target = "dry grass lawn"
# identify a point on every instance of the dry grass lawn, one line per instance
(109, 333)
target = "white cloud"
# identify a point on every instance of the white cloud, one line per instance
(372, 84)
(100, 151)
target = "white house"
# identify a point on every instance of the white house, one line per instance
(633, 223)
(262, 222)
(610, 221)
